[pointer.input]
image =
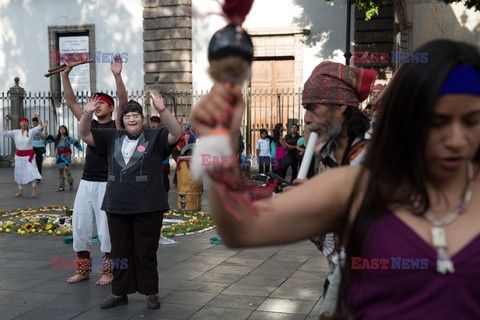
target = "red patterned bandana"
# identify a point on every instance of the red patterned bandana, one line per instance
(336, 83)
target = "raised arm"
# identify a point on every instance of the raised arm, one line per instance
(69, 94)
(5, 123)
(39, 127)
(85, 121)
(174, 130)
(116, 67)
(44, 134)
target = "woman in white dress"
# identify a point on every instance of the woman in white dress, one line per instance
(26, 170)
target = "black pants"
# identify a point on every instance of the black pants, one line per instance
(39, 157)
(135, 237)
(294, 167)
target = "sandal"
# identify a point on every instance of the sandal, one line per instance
(19, 194)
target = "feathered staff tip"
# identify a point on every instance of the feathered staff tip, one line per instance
(237, 10)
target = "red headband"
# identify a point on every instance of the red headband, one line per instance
(105, 99)
(23, 119)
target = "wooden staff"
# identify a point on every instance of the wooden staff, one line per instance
(62, 67)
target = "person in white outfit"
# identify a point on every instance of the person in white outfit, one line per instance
(92, 186)
(26, 170)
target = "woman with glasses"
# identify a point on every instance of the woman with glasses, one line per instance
(135, 199)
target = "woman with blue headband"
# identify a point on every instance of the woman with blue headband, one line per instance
(408, 216)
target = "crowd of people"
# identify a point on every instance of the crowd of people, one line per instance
(398, 178)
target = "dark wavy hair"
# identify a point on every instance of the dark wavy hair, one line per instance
(58, 137)
(277, 134)
(394, 168)
(131, 106)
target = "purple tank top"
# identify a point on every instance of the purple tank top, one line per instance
(410, 287)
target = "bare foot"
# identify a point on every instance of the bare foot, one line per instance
(104, 280)
(77, 278)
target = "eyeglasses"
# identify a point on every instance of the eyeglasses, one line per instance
(134, 117)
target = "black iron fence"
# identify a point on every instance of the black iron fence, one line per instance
(264, 109)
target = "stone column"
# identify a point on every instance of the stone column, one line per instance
(375, 37)
(167, 45)
(17, 95)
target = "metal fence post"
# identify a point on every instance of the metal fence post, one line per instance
(17, 95)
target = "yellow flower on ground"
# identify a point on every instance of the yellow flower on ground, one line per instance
(48, 226)
(28, 226)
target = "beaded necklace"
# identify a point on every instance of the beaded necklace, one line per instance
(439, 238)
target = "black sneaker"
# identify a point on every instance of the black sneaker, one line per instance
(113, 301)
(153, 302)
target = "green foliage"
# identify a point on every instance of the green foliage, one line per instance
(371, 6)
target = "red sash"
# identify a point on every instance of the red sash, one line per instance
(64, 151)
(26, 153)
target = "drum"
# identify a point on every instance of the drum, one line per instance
(189, 190)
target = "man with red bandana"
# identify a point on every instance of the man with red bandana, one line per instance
(92, 186)
(331, 97)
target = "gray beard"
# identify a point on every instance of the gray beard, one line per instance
(332, 132)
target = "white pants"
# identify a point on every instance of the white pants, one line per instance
(88, 202)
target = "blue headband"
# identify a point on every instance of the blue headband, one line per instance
(462, 80)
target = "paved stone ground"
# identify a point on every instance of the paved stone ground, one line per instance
(198, 280)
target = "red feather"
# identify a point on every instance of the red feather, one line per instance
(237, 10)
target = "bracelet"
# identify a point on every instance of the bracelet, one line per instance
(85, 112)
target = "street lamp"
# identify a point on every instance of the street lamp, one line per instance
(347, 53)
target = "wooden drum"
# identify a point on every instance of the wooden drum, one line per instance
(189, 190)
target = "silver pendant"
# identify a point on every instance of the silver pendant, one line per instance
(439, 237)
(444, 263)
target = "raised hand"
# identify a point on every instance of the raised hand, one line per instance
(36, 113)
(91, 104)
(8, 117)
(116, 64)
(46, 123)
(67, 69)
(223, 102)
(157, 101)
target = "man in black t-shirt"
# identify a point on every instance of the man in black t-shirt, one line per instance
(91, 189)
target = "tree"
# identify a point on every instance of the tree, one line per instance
(371, 6)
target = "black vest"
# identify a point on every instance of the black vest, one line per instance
(136, 187)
